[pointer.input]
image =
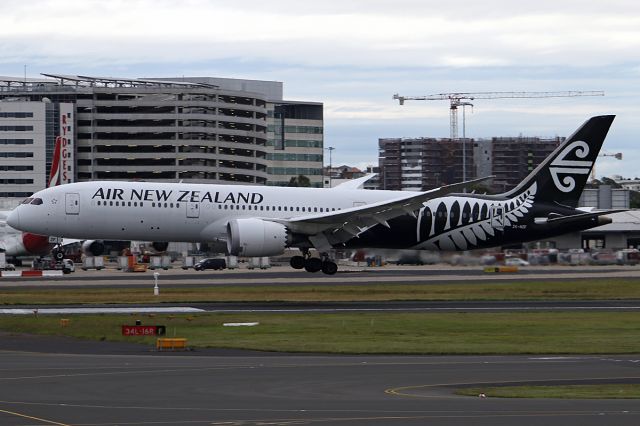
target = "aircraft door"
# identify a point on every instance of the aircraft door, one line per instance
(497, 217)
(72, 203)
(193, 210)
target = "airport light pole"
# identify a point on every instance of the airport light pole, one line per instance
(330, 149)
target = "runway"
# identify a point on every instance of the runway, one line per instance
(352, 275)
(61, 381)
(332, 307)
(117, 384)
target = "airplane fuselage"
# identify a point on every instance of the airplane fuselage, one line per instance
(175, 212)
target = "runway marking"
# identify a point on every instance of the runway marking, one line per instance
(288, 422)
(427, 309)
(411, 415)
(135, 370)
(400, 391)
(181, 310)
(51, 422)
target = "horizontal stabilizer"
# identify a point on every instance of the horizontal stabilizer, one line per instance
(565, 219)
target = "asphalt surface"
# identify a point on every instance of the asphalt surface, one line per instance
(333, 307)
(63, 382)
(352, 275)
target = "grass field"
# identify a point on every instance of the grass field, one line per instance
(608, 391)
(587, 289)
(398, 333)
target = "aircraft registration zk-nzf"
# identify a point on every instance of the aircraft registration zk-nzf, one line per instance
(263, 220)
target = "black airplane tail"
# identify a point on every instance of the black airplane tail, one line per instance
(561, 177)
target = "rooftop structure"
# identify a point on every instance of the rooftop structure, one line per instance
(157, 129)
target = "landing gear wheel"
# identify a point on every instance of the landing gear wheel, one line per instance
(312, 264)
(329, 267)
(297, 262)
(58, 255)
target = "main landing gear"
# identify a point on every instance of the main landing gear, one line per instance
(314, 264)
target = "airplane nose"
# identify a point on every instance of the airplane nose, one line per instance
(13, 220)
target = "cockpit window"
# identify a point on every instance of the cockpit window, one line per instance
(37, 201)
(27, 201)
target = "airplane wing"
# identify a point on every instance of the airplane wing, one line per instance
(355, 183)
(340, 226)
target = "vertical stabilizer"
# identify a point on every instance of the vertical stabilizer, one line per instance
(562, 176)
(54, 174)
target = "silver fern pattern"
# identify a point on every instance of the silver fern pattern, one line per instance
(459, 223)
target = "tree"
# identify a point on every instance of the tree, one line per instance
(301, 180)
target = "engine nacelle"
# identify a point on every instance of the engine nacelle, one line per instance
(160, 246)
(255, 238)
(93, 247)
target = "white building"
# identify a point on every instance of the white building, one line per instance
(28, 131)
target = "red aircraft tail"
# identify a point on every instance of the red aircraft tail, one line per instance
(54, 175)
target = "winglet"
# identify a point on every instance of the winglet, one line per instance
(355, 183)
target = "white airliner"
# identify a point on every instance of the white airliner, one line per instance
(17, 244)
(263, 220)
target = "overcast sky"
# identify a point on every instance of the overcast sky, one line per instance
(354, 55)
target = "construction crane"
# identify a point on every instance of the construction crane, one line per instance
(458, 99)
(617, 156)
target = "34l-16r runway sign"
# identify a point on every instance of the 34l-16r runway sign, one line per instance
(144, 330)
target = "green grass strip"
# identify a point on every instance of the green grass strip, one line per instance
(587, 289)
(370, 333)
(606, 391)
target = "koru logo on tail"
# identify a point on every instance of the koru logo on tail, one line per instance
(568, 168)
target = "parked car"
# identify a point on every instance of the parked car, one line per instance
(515, 261)
(210, 263)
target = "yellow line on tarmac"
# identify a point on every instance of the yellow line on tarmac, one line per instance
(51, 422)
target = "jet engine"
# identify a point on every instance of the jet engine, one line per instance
(160, 246)
(93, 247)
(255, 238)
